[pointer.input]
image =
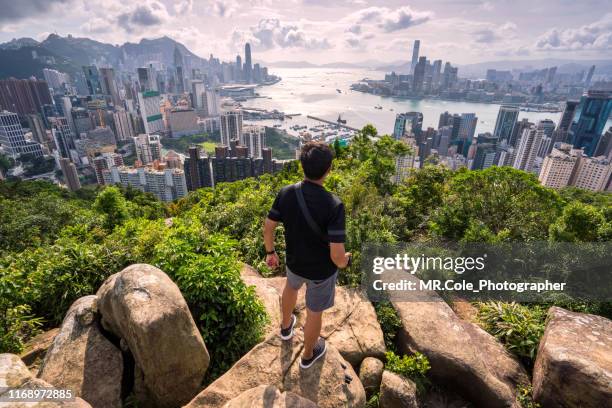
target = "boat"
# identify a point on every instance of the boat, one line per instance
(378, 107)
(340, 120)
(339, 91)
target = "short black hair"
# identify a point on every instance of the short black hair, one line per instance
(316, 159)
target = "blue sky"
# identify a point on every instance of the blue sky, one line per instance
(462, 31)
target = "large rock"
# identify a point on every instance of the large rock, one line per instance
(350, 325)
(574, 363)
(145, 308)
(276, 362)
(36, 348)
(370, 374)
(463, 357)
(397, 392)
(83, 360)
(15, 375)
(268, 396)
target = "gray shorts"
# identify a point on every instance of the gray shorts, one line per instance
(319, 293)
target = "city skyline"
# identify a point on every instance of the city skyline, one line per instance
(466, 31)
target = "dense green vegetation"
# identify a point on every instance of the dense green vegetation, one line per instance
(56, 246)
(182, 144)
(283, 146)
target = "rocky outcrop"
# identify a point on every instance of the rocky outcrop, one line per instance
(268, 396)
(15, 375)
(574, 363)
(143, 307)
(350, 326)
(463, 356)
(36, 348)
(370, 374)
(397, 391)
(82, 359)
(330, 383)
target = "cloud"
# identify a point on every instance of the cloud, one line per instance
(594, 36)
(96, 25)
(146, 15)
(271, 33)
(489, 33)
(13, 10)
(183, 7)
(390, 20)
(224, 8)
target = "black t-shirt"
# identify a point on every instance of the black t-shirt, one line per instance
(307, 253)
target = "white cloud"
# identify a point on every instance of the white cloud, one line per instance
(149, 14)
(594, 36)
(390, 20)
(271, 33)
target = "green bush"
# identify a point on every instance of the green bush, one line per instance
(518, 327)
(389, 321)
(414, 367)
(374, 401)
(524, 396)
(16, 327)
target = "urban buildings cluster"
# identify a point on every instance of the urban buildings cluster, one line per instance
(539, 89)
(575, 152)
(120, 117)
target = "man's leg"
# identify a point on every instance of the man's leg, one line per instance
(288, 301)
(312, 330)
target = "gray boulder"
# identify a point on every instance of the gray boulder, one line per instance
(397, 391)
(143, 307)
(268, 396)
(370, 374)
(574, 363)
(82, 359)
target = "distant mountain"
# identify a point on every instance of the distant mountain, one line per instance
(292, 64)
(17, 43)
(304, 64)
(25, 57)
(563, 66)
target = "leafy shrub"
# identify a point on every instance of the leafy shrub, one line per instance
(414, 367)
(374, 401)
(524, 396)
(518, 327)
(16, 327)
(389, 321)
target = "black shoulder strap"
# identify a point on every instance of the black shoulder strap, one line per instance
(311, 223)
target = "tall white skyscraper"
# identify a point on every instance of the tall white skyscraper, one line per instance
(150, 111)
(528, 148)
(254, 138)
(210, 103)
(231, 126)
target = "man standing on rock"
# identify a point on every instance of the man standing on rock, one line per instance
(314, 224)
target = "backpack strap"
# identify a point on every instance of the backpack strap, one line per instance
(306, 213)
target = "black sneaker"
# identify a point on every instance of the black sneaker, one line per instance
(317, 352)
(287, 334)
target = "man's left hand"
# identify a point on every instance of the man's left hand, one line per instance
(272, 260)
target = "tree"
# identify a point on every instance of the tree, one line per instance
(111, 203)
(578, 223)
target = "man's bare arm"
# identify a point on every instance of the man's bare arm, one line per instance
(268, 233)
(338, 254)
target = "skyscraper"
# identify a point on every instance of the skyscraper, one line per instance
(92, 78)
(419, 75)
(63, 137)
(590, 119)
(12, 137)
(506, 120)
(589, 76)
(148, 148)
(436, 74)
(180, 76)
(109, 86)
(70, 174)
(415, 55)
(568, 115)
(24, 96)
(409, 122)
(248, 64)
(231, 127)
(254, 138)
(528, 148)
(238, 69)
(150, 111)
(467, 126)
(210, 103)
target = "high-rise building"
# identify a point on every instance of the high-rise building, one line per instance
(589, 76)
(56, 79)
(37, 127)
(408, 123)
(590, 119)
(528, 148)
(146, 79)
(92, 79)
(124, 127)
(568, 115)
(197, 94)
(418, 77)
(70, 174)
(24, 96)
(567, 166)
(105, 161)
(167, 185)
(485, 151)
(109, 85)
(248, 66)
(415, 55)
(12, 137)
(210, 103)
(254, 138)
(449, 76)
(238, 69)
(604, 148)
(506, 120)
(467, 126)
(183, 122)
(548, 126)
(436, 74)
(148, 148)
(150, 111)
(198, 171)
(231, 126)
(63, 138)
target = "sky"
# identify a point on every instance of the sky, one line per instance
(323, 31)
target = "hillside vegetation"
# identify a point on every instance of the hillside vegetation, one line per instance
(56, 246)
